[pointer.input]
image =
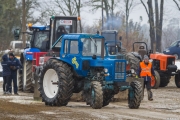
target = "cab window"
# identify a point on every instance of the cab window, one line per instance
(74, 47)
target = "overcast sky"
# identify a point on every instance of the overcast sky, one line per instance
(170, 11)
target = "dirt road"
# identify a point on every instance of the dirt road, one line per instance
(166, 106)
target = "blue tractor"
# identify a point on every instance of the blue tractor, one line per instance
(78, 62)
(40, 44)
(115, 50)
(38, 35)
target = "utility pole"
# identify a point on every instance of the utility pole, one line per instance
(23, 23)
(102, 16)
(79, 16)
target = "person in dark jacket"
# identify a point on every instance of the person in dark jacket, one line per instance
(15, 64)
(146, 71)
(6, 73)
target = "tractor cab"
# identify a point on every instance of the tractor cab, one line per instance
(113, 46)
(40, 37)
(61, 25)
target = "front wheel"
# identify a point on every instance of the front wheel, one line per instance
(96, 95)
(56, 83)
(155, 81)
(176, 56)
(135, 95)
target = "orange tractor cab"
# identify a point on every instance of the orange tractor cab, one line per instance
(164, 65)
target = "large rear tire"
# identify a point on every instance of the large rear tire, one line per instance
(27, 76)
(96, 95)
(20, 80)
(155, 82)
(135, 95)
(177, 79)
(132, 61)
(56, 83)
(164, 80)
(123, 51)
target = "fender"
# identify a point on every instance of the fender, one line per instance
(28, 53)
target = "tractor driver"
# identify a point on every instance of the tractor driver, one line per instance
(146, 71)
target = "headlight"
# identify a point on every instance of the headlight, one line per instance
(173, 63)
(132, 71)
(41, 60)
(105, 70)
(167, 50)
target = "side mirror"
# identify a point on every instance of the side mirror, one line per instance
(120, 38)
(178, 45)
(16, 34)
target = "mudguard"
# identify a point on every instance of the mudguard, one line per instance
(28, 53)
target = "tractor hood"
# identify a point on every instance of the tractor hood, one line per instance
(115, 69)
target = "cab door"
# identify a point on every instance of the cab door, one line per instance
(71, 53)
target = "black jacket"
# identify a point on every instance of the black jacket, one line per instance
(5, 65)
(15, 63)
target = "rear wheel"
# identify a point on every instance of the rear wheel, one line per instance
(132, 61)
(135, 95)
(56, 83)
(96, 95)
(123, 51)
(27, 76)
(164, 80)
(20, 80)
(155, 81)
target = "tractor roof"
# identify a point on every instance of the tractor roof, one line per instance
(81, 35)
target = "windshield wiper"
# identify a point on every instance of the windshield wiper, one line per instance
(93, 41)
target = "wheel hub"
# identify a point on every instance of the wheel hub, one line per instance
(50, 83)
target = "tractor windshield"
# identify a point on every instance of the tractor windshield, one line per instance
(91, 46)
(109, 36)
(40, 39)
(64, 27)
(113, 48)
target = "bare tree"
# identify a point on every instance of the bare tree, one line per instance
(109, 7)
(61, 7)
(177, 4)
(155, 29)
(129, 6)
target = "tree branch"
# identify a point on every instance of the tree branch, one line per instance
(145, 7)
(177, 4)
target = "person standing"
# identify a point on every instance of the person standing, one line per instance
(6, 73)
(14, 66)
(146, 71)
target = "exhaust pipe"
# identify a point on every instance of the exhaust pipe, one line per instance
(102, 49)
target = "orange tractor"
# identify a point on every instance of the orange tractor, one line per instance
(164, 65)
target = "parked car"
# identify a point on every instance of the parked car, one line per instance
(173, 49)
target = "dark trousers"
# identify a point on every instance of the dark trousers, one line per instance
(6, 83)
(14, 79)
(147, 84)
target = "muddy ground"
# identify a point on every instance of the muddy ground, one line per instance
(166, 105)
